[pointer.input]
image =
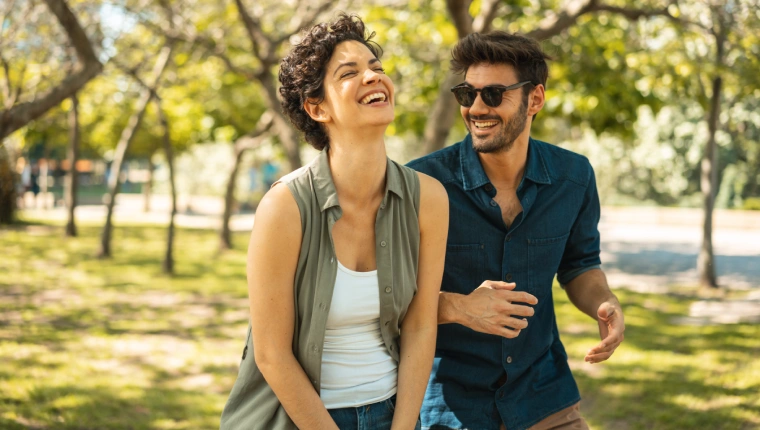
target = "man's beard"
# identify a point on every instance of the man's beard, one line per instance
(505, 138)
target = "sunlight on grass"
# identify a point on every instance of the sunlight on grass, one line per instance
(116, 344)
(666, 376)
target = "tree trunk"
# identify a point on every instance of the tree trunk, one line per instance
(43, 179)
(148, 186)
(225, 234)
(442, 116)
(708, 182)
(125, 140)
(249, 141)
(168, 264)
(287, 134)
(7, 187)
(70, 186)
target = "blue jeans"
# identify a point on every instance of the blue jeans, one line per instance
(377, 416)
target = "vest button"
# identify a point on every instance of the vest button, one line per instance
(383, 244)
(388, 289)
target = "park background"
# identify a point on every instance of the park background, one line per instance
(139, 135)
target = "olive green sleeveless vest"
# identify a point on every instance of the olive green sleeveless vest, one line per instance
(252, 403)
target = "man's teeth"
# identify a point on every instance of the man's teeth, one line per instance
(371, 97)
(484, 124)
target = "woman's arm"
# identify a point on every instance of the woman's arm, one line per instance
(272, 259)
(419, 328)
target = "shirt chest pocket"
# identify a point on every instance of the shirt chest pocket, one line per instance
(544, 256)
(464, 267)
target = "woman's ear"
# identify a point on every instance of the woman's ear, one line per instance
(316, 111)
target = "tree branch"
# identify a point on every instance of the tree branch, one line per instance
(262, 46)
(21, 114)
(633, 14)
(254, 138)
(210, 46)
(489, 9)
(307, 18)
(132, 72)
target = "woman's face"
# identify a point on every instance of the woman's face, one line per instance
(358, 93)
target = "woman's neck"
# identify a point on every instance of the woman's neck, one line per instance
(358, 168)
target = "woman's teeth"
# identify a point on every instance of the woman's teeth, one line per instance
(374, 96)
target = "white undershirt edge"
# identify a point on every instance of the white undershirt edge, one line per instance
(356, 366)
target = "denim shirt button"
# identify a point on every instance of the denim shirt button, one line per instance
(489, 187)
(508, 277)
(509, 237)
(493, 203)
(509, 359)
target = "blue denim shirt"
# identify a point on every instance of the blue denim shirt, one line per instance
(480, 380)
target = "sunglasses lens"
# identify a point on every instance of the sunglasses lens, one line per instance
(465, 96)
(491, 96)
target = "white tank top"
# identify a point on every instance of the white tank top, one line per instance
(356, 367)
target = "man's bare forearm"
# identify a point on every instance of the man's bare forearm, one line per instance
(589, 290)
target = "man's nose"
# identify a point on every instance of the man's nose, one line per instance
(478, 106)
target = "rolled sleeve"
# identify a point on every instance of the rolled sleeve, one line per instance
(583, 245)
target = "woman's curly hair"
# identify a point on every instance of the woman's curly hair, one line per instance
(302, 71)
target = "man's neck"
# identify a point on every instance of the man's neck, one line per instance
(506, 169)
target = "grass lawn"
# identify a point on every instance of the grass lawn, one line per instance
(91, 344)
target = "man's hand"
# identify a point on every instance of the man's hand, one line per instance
(492, 309)
(611, 329)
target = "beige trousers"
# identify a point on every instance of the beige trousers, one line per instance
(566, 419)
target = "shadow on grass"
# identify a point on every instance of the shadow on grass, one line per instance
(669, 399)
(92, 407)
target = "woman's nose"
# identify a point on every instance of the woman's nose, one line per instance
(371, 76)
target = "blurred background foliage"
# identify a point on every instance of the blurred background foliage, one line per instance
(630, 92)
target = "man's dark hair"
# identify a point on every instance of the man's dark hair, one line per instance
(523, 53)
(302, 71)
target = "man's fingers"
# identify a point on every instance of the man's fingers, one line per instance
(519, 310)
(601, 348)
(515, 323)
(506, 332)
(518, 297)
(598, 358)
(498, 285)
(608, 345)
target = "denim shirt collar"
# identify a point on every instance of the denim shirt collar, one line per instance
(324, 187)
(473, 175)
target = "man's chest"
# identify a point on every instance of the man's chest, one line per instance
(509, 204)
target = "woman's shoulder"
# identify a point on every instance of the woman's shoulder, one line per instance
(421, 182)
(297, 176)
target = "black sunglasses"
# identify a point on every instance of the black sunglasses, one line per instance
(491, 94)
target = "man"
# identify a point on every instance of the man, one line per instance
(521, 211)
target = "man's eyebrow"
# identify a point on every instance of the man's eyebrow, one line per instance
(353, 64)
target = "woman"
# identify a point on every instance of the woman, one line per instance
(345, 255)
